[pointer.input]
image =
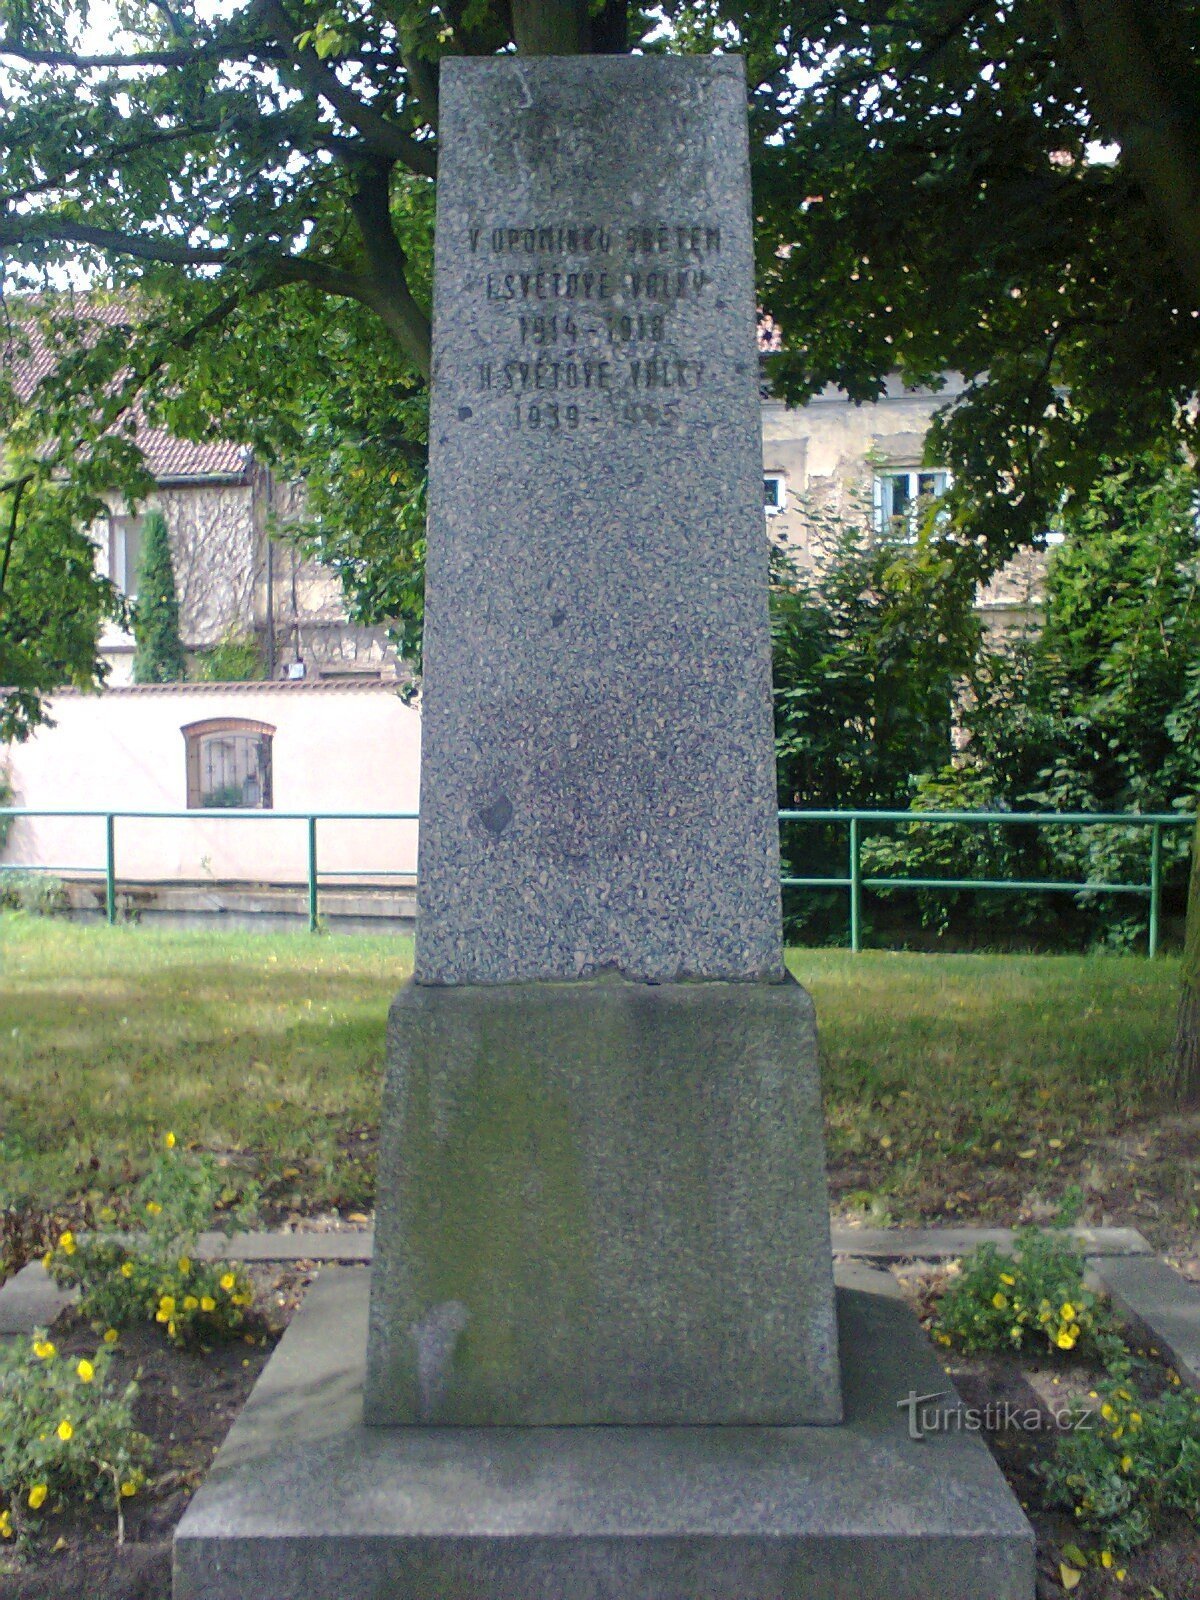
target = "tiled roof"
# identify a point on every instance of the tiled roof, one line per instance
(348, 685)
(167, 456)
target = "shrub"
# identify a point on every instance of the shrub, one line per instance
(1132, 1468)
(148, 1271)
(235, 658)
(1034, 1299)
(158, 655)
(39, 894)
(63, 1428)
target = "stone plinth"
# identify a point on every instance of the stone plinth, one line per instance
(305, 1503)
(598, 779)
(602, 1202)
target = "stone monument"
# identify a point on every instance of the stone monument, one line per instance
(603, 1356)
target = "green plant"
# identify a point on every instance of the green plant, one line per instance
(1127, 1467)
(1034, 1298)
(235, 658)
(39, 894)
(7, 796)
(64, 1427)
(149, 1271)
(158, 656)
(228, 797)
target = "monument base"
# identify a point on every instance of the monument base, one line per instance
(602, 1202)
(306, 1503)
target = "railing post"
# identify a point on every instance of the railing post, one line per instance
(110, 869)
(855, 889)
(312, 874)
(1155, 886)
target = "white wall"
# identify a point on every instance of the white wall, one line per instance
(337, 747)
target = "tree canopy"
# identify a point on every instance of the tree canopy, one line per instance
(1010, 189)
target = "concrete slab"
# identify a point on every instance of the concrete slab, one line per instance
(305, 1503)
(30, 1299)
(1161, 1304)
(937, 1244)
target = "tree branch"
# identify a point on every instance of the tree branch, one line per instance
(383, 138)
(1131, 82)
(34, 229)
(391, 296)
(17, 487)
(180, 56)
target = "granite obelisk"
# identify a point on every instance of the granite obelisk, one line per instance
(602, 1194)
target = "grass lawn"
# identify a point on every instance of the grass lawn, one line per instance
(971, 1086)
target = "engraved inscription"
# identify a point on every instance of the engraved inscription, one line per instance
(591, 320)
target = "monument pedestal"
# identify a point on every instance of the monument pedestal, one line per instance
(304, 1502)
(602, 1202)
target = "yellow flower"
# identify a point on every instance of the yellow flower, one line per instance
(129, 1488)
(110, 1336)
(167, 1304)
(43, 1349)
(36, 1495)
(185, 1265)
(1065, 1339)
(1106, 1559)
(47, 1259)
(1135, 1419)
(127, 1269)
(107, 1214)
(171, 1329)
(999, 1301)
(207, 1303)
(1007, 1277)
(65, 1430)
(169, 1141)
(190, 1302)
(228, 1281)
(1068, 1312)
(67, 1243)
(6, 1529)
(153, 1207)
(1014, 1333)
(86, 1371)
(1108, 1412)
(1126, 1463)
(1124, 1394)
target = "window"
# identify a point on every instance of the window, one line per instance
(774, 493)
(229, 764)
(124, 553)
(900, 498)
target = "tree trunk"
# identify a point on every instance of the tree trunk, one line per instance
(551, 27)
(1186, 1065)
(568, 27)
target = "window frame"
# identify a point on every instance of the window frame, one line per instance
(903, 524)
(119, 524)
(194, 735)
(777, 507)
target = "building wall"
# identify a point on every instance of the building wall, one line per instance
(337, 747)
(218, 558)
(230, 580)
(829, 452)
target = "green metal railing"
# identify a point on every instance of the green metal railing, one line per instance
(854, 882)
(109, 869)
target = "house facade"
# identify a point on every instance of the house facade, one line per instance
(233, 577)
(832, 465)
